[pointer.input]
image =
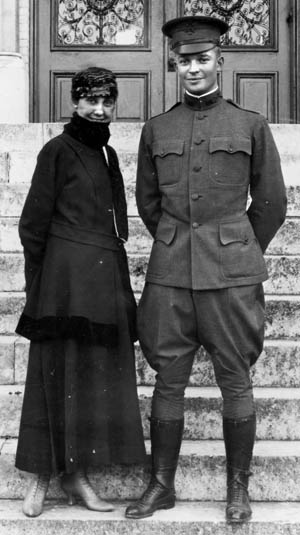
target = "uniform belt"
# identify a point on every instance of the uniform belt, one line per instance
(86, 236)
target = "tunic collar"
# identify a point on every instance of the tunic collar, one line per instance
(202, 102)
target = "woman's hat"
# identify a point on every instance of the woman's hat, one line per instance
(94, 81)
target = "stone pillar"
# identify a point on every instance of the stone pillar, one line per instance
(13, 90)
(14, 51)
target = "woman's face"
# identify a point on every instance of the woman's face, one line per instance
(96, 108)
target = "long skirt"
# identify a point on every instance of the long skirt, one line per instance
(80, 407)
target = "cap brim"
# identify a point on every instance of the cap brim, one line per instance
(193, 48)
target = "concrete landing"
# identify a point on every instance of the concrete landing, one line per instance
(185, 519)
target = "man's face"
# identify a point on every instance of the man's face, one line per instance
(96, 108)
(198, 72)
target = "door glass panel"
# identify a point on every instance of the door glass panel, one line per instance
(100, 23)
(250, 21)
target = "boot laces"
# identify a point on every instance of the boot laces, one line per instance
(38, 489)
(39, 484)
(238, 491)
(150, 491)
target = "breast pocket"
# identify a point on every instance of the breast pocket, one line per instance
(230, 160)
(168, 160)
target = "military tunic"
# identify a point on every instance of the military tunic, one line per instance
(196, 165)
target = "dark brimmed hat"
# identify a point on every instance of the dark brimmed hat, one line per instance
(94, 81)
(190, 35)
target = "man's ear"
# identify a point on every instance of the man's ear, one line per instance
(220, 63)
(173, 60)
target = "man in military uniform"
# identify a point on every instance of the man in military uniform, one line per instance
(197, 163)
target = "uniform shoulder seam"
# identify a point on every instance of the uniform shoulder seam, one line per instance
(230, 101)
(167, 111)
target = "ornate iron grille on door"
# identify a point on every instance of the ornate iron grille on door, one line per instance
(103, 23)
(250, 21)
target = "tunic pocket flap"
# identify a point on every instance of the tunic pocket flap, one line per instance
(231, 145)
(165, 232)
(236, 232)
(163, 148)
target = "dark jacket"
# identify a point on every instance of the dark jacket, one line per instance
(197, 163)
(72, 228)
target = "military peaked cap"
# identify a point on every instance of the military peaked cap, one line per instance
(190, 35)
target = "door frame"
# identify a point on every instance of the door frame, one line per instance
(295, 61)
(171, 90)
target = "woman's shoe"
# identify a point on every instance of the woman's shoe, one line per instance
(77, 484)
(36, 493)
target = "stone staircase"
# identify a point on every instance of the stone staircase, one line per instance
(275, 485)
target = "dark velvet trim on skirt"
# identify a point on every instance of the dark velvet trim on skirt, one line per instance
(49, 328)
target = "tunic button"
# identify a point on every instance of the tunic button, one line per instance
(198, 141)
(195, 225)
(197, 168)
(230, 149)
(195, 196)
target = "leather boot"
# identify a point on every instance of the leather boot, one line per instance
(36, 493)
(77, 484)
(239, 438)
(166, 439)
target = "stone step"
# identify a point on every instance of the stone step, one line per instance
(277, 412)
(30, 137)
(11, 306)
(13, 193)
(282, 315)
(278, 365)
(124, 136)
(283, 273)
(200, 475)
(8, 360)
(193, 518)
(20, 143)
(286, 241)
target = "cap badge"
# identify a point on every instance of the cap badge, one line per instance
(188, 27)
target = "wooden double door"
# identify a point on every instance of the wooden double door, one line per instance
(261, 69)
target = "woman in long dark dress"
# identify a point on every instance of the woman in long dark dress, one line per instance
(80, 408)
